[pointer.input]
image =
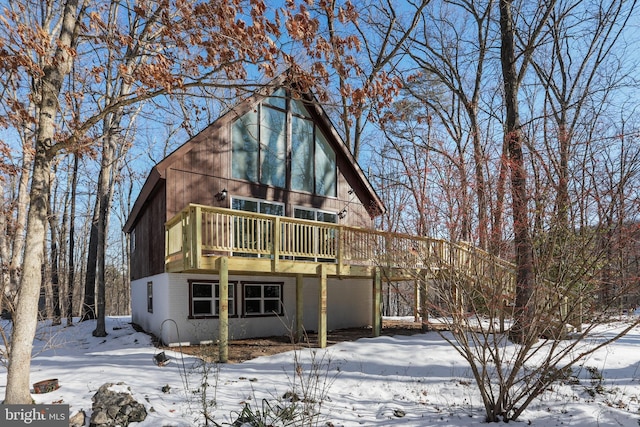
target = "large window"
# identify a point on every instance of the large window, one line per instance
(273, 147)
(263, 137)
(205, 299)
(325, 168)
(315, 215)
(262, 299)
(302, 155)
(244, 164)
(257, 206)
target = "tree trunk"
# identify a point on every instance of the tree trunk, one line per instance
(89, 305)
(478, 158)
(55, 259)
(524, 305)
(71, 281)
(17, 251)
(4, 251)
(26, 314)
(104, 196)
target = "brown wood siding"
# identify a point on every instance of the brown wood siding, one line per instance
(147, 258)
(200, 174)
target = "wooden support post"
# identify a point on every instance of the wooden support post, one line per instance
(223, 319)
(322, 306)
(376, 321)
(340, 251)
(299, 334)
(424, 303)
(416, 300)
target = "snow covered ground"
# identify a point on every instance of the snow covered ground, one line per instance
(414, 380)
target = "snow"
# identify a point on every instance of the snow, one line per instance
(416, 380)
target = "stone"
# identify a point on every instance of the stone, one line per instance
(78, 419)
(99, 417)
(112, 407)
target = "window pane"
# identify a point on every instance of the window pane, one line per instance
(252, 291)
(244, 159)
(273, 147)
(244, 205)
(252, 306)
(328, 217)
(272, 291)
(202, 290)
(298, 107)
(202, 307)
(325, 167)
(271, 306)
(301, 154)
(304, 214)
(278, 99)
(271, 209)
(231, 306)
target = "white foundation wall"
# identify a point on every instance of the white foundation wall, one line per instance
(349, 304)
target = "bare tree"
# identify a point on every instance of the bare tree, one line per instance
(364, 42)
(513, 72)
(543, 300)
(449, 52)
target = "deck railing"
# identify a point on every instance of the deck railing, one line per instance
(199, 231)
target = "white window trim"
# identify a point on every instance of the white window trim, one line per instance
(253, 199)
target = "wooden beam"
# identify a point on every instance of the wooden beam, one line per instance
(416, 300)
(299, 333)
(223, 318)
(424, 302)
(376, 321)
(322, 306)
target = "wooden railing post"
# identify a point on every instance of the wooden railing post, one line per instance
(275, 238)
(196, 225)
(186, 240)
(167, 245)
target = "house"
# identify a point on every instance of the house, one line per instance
(265, 210)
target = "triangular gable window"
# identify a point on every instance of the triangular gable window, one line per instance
(277, 126)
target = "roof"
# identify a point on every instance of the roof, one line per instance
(365, 192)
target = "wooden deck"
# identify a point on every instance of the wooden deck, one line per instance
(202, 239)
(198, 236)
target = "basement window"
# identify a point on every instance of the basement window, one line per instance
(204, 299)
(150, 297)
(262, 299)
